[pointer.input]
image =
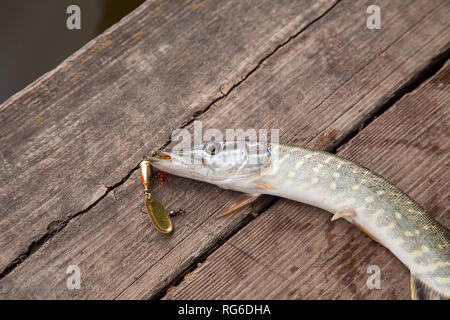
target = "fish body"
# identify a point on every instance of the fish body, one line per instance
(338, 186)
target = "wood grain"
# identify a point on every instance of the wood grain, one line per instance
(316, 89)
(294, 251)
(84, 126)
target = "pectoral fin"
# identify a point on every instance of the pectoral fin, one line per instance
(240, 202)
(422, 291)
(344, 213)
(264, 186)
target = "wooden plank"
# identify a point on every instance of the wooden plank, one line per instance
(83, 127)
(330, 104)
(302, 89)
(294, 251)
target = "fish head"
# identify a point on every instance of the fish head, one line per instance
(219, 162)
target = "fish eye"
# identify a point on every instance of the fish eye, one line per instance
(212, 148)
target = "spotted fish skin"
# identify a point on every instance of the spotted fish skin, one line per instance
(334, 184)
(375, 205)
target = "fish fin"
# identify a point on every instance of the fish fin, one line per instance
(241, 201)
(422, 291)
(344, 213)
(352, 213)
(264, 186)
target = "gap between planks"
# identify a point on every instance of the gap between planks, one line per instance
(415, 82)
(409, 86)
(55, 226)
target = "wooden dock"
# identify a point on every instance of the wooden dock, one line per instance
(71, 142)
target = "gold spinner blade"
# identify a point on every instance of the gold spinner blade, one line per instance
(157, 213)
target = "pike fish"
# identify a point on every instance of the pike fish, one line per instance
(332, 183)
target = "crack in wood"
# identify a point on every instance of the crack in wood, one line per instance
(55, 226)
(423, 75)
(416, 81)
(223, 95)
(59, 225)
(420, 77)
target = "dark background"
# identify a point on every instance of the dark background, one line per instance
(34, 37)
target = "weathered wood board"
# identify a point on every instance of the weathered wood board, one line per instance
(84, 126)
(294, 251)
(335, 108)
(316, 88)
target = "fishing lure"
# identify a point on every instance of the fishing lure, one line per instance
(157, 213)
(334, 184)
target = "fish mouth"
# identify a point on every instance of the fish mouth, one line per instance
(164, 159)
(184, 158)
(173, 162)
(181, 163)
(160, 155)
